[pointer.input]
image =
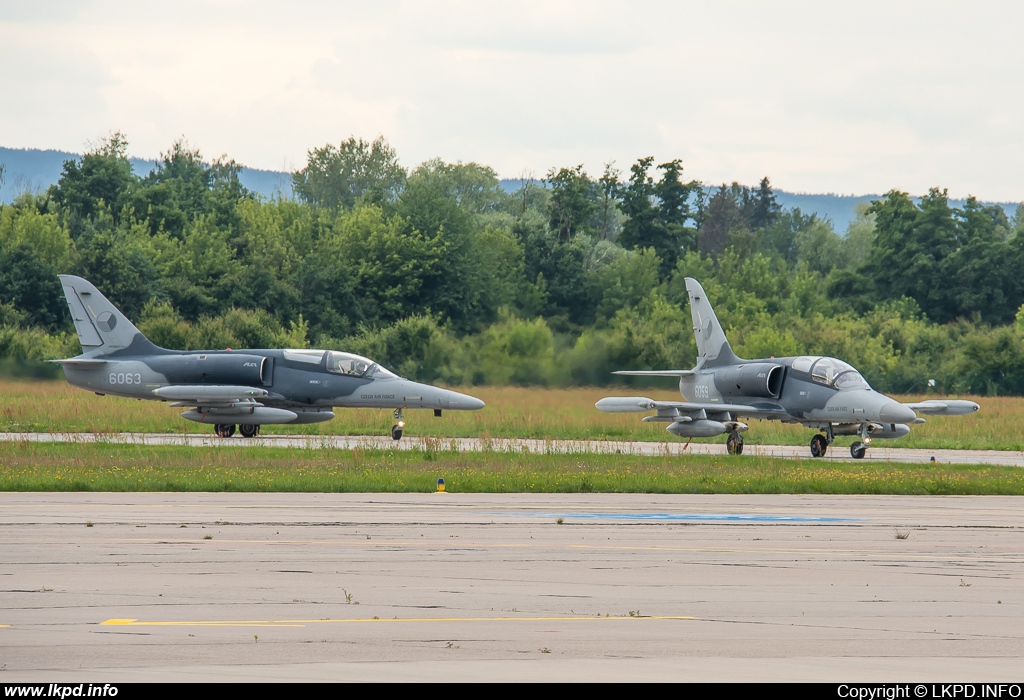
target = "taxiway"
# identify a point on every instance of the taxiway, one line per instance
(876, 453)
(99, 587)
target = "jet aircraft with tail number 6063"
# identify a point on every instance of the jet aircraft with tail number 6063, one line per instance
(817, 392)
(225, 388)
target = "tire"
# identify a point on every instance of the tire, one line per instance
(858, 450)
(248, 430)
(396, 432)
(819, 446)
(734, 444)
(225, 430)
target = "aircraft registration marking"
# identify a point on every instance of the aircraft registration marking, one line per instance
(130, 622)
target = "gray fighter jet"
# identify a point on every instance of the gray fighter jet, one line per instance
(225, 388)
(817, 392)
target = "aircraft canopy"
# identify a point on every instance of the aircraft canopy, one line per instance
(837, 374)
(354, 365)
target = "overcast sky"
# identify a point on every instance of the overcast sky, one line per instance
(853, 98)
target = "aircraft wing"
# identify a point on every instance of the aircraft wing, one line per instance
(84, 363)
(944, 407)
(672, 409)
(655, 372)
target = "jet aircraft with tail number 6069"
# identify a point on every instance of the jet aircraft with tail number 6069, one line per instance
(817, 392)
(225, 388)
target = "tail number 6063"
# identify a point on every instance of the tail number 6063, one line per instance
(125, 378)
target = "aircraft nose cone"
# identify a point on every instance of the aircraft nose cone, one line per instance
(464, 402)
(894, 412)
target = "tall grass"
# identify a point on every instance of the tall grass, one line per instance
(26, 466)
(513, 412)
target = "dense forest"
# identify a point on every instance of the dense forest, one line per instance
(443, 276)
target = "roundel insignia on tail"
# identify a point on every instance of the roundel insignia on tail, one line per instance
(106, 321)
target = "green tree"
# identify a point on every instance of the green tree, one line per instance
(638, 206)
(571, 205)
(447, 203)
(608, 213)
(339, 176)
(819, 246)
(660, 226)
(390, 264)
(103, 176)
(765, 207)
(625, 282)
(182, 187)
(723, 215)
(29, 284)
(514, 351)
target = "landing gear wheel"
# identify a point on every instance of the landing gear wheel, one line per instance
(224, 430)
(248, 430)
(819, 446)
(858, 450)
(397, 428)
(734, 443)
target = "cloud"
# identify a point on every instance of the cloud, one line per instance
(819, 97)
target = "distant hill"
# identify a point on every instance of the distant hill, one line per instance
(838, 208)
(34, 170)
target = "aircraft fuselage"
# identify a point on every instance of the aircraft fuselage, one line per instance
(289, 382)
(794, 394)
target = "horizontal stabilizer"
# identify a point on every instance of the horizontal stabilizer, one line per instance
(654, 372)
(204, 394)
(83, 363)
(944, 408)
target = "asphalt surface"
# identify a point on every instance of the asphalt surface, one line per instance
(125, 587)
(876, 453)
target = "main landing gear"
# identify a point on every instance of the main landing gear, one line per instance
(226, 430)
(820, 443)
(398, 428)
(734, 443)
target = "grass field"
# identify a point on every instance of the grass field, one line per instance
(26, 466)
(568, 414)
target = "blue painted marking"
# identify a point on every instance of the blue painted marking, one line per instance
(717, 517)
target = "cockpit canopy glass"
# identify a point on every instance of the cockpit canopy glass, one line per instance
(345, 363)
(354, 365)
(837, 374)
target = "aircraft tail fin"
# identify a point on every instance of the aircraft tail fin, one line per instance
(100, 325)
(713, 349)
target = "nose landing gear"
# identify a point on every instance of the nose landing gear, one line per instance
(398, 428)
(859, 449)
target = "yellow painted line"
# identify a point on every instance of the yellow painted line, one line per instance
(4, 625)
(130, 622)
